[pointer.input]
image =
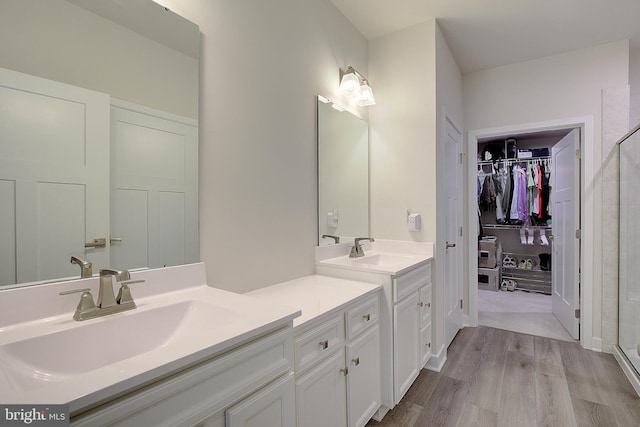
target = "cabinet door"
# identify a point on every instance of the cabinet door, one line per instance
(321, 398)
(425, 305)
(273, 406)
(363, 380)
(406, 351)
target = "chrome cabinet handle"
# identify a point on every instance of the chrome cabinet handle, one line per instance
(324, 344)
(100, 242)
(428, 305)
(451, 245)
(356, 361)
(429, 344)
(345, 371)
(420, 304)
(366, 317)
(115, 239)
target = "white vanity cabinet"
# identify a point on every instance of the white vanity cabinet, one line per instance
(250, 385)
(411, 327)
(338, 366)
(405, 323)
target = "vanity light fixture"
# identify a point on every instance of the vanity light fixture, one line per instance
(355, 84)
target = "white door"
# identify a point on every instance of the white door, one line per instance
(154, 203)
(565, 199)
(54, 177)
(453, 223)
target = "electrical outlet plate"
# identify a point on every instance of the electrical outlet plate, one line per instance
(413, 221)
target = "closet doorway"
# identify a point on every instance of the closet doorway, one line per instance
(527, 194)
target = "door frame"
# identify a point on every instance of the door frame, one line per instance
(587, 176)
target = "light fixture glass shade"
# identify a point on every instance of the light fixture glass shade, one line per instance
(366, 95)
(350, 83)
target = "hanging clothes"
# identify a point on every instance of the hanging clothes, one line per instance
(530, 186)
(488, 195)
(538, 172)
(501, 181)
(519, 203)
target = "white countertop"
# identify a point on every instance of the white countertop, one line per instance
(251, 318)
(395, 257)
(315, 295)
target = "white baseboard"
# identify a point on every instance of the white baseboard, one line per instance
(596, 344)
(437, 361)
(466, 321)
(628, 370)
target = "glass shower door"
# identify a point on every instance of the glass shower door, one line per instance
(629, 249)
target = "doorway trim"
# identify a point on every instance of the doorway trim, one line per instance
(587, 217)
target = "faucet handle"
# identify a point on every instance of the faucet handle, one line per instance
(75, 291)
(86, 303)
(124, 293)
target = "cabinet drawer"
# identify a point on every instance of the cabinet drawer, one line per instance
(197, 393)
(407, 283)
(362, 316)
(313, 346)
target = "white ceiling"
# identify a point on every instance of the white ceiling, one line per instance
(488, 33)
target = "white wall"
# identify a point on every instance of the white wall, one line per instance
(554, 88)
(449, 105)
(60, 41)
(262, 65)
(416, 80)
(634, 82)
(634, 70)
(402, 133)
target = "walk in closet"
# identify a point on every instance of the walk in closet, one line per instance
(515, 176)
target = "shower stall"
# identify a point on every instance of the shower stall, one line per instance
(628, 350)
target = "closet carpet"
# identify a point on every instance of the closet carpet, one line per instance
(520, 311)
(495, 377)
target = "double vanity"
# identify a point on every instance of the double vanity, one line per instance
(335, 348)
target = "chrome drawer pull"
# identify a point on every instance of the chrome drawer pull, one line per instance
(366, 317)
(324, 344)
(420, 304)
(356, 361)
(345, 371)
(428, 305)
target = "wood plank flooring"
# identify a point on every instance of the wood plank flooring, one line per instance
(499, 378)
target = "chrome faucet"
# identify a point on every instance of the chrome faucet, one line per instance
(107, 302)
(336, 239)
(106, 297)
(356, 249)
(85, 266)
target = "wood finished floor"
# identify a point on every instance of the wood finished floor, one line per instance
(500, 378)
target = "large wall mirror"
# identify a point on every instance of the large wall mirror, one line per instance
(343, 173)
(98, 137)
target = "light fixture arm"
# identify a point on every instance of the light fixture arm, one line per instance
(351, 70)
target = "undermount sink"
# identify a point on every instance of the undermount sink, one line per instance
(377, 261)
(380, 259)
(87, 346)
